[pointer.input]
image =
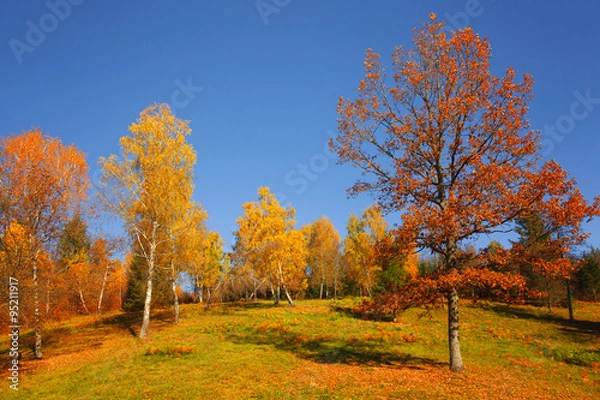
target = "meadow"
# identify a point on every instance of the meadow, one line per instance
(317, 350)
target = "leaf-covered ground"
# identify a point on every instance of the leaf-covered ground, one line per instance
(316, 350)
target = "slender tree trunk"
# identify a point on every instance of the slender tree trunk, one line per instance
(273, 292)
(335, 284)
(456, 363)
(212, 292)
(147, 302)
(289, 298)
(104, 279)
(174, 289)
(36, 309)
(278, 295)
(83, 302)
(321, 291)
(47, 298)
(120, 292)
(369, 281)
(570, 300)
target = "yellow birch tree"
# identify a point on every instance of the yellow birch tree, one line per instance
(151, 185)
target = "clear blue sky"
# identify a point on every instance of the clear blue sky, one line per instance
(270, 82)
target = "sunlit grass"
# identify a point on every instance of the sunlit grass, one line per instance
(317, 350)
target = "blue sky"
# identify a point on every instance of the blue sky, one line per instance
(260, 87)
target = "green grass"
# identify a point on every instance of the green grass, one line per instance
(316, 350)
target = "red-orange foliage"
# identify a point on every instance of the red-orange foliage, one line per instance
(561, 214)
(42, 182)
(449, 146)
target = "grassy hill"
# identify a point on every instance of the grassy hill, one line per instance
(316, 350)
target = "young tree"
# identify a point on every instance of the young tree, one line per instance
(73, 258)
(360, 248)
(103, 268)
(151, 185)
(216, 267)
(268, 243)
(183, 239)
(447, 145)
(42, 183)
(550, 231)
(323, 245)
(588, 277)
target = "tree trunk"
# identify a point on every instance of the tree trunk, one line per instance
(335, 284)
(321, 290)
(570, 300)
(370, 282)
(174, 289)
(48, 298)
(151, 260)
(289, 298)
(212, 292)
(456, 363)
(83, 302)
(277, 294)
(120, 292)
(254, 291)
(104, 279)
(147, 301)
(36, 310)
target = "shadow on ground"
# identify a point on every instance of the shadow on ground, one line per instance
(132, 321)
(579, 329)
(332, 350)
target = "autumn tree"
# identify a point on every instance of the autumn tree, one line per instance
(73, 252)
(398, 262)
(268, 243)
(43, 182)
(323, 255)
(550, 230)
(446, 143)
(588, 276)
(150, 186)
(183, 236)
(106, 271)
(216, 267)
(360, 248)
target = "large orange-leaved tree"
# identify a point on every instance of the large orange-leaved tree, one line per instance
(446, 143)
(42, 184)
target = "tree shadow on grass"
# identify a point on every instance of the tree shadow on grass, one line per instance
(132, 321)
(578, 329)
(75, 338)
(333, 351)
